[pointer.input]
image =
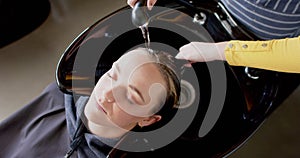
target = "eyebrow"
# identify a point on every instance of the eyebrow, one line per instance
(116, 66)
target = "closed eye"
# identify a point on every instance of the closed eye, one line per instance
(111, 74)
(130, 99)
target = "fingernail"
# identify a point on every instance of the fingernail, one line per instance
(178, 56)
(150, 7)
(188, 65)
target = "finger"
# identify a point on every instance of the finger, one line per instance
(150, 4)
(192, 51)
(183, 51)
(131, 3)
(188, 65)
(179, 56)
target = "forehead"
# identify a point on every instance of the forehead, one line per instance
(139, 62)
(141, 71)
(137, 56)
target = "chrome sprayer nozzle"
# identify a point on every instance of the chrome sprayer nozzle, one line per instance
(139, 15)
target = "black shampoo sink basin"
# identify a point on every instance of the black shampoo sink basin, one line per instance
(19, 18)
(228, 103)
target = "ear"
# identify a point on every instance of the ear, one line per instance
(149, 120)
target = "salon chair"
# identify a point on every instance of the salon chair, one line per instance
(242, 97)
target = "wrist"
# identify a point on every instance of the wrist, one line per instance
(221, 50)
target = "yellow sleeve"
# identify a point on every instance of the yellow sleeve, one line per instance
(278, 55)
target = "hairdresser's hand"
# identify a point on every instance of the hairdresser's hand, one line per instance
(202, 52)
(150, 3)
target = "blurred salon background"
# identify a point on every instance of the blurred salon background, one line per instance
(41, 30)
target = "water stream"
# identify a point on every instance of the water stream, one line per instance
(146, 35)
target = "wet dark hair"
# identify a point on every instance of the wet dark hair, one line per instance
(170, 70)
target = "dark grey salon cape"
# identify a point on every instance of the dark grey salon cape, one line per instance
(41, 130)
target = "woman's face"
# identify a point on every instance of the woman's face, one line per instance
(128, 94)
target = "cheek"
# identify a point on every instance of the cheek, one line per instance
(92, 114)
(122, 118)
(102, 82)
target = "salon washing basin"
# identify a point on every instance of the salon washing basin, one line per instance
(224, 105)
